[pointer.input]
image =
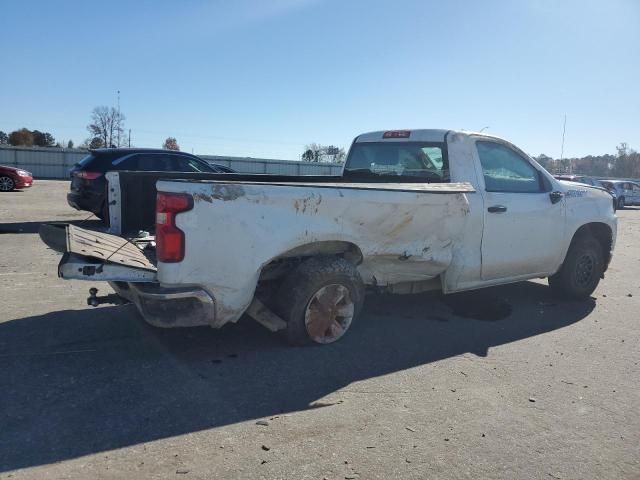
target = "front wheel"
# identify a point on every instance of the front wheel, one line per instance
(581, 271)
(7, 184)
(320, 300)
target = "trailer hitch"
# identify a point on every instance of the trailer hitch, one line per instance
(94, 300)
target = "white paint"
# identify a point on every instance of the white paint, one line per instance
(115, 202)
(403, 236)
(74, 266)
(266, 221)
(406, 234)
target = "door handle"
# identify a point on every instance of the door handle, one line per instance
(497, 209)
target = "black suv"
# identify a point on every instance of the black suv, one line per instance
(88, 184)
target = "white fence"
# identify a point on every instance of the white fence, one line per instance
(56, 162)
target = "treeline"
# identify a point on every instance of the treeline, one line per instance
(624, 164)
(30, 138)
(323, 153)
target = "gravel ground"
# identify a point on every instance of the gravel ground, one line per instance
(503, 383)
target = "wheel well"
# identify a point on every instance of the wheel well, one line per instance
(602, 233)
(282, 264)
(348, 250)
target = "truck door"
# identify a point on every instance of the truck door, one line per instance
(523, 224)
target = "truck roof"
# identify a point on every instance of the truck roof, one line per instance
(415, 135)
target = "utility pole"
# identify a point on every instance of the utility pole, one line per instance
(129, 138)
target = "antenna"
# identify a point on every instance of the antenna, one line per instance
(564, 129)
(483, 129)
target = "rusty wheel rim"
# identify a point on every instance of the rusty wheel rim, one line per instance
(329, 313)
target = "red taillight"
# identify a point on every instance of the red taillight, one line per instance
(88, 175)
(397, 134)
(169, 238)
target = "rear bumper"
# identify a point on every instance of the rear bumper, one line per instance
(89, 203)
(169, 307)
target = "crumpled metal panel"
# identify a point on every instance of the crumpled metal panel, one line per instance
(106, 247)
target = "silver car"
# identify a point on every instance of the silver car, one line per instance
(628, 193)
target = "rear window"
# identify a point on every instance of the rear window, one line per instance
(97, 163)
(85, 160)
(411, 161)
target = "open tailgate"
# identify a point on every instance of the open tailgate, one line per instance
(92, 255)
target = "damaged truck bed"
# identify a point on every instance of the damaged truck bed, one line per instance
(414, 211)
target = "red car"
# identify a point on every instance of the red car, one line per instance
(14, 178)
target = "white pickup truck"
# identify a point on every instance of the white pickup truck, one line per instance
(414, 210)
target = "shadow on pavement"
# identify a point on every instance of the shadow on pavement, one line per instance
(78, 382)
(91, 223)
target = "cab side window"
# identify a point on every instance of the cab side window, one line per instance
(505, 170)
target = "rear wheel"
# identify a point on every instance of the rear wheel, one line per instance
(7, 184)
(320, 300)
(581, 271)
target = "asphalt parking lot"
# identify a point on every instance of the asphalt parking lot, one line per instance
(502, 383)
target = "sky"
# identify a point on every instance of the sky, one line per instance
(263, 78)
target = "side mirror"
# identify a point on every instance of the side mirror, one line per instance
(556, 197)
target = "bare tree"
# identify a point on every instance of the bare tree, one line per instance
(335, 154)
(96, 142)
(627, 161)
(312, 152)
(315, 152)
(107, 124)
(171, 144)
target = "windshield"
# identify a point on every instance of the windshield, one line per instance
(427, 161)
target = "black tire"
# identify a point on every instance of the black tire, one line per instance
(581, 271)
(620, 203)
(314, 279)
(7, 184)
